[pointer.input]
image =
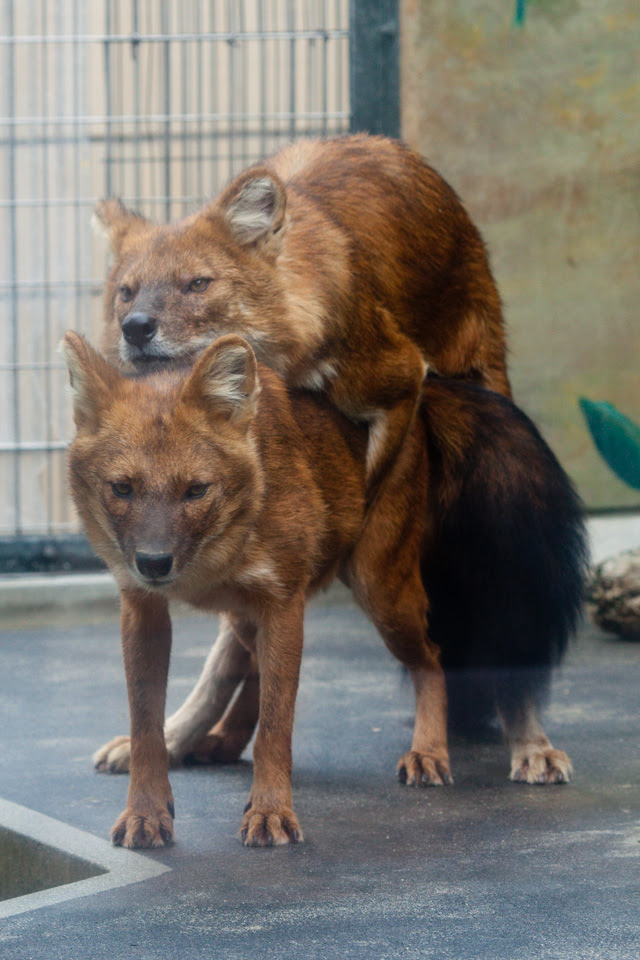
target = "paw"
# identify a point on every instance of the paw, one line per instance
(114, 756)
(425, 769)
(135, 830)
(540, 765)
(268, 828)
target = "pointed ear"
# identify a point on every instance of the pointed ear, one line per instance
(225, 380)
(91, 379)
(116, 222)
(253, 205)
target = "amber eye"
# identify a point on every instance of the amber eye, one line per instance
(122, 489)
(196, 490)
(126, 293)
(199, 284)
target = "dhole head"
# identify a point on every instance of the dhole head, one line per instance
(164, 469)
(174, 289)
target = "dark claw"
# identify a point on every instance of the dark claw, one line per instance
(248, 807)
(265, 830)
(165, 834)
(243, 835)
(171, 808)
(402, 774)
(290, 831)
(139, 839)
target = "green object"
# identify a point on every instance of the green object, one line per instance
(616, 437)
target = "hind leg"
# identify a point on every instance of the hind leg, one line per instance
(228, 665)
(427, 762)
(384, 575)
(386, 400)
(397, 604)
(533, 757)
(402, 622)
(226, 741)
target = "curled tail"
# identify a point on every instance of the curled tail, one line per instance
(505, 570)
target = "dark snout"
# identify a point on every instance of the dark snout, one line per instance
(154, 566)
(139, 328)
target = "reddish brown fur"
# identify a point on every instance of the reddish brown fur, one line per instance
(283, 512)
(290, 525)
(349, 265)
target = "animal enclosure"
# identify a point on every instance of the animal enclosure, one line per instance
(159, 103)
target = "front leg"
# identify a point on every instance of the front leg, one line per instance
(269, 818)
(146, 646)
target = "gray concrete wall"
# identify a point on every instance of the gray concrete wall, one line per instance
(537, 128)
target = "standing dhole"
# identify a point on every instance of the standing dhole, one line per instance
(349, 265)
(217, 486)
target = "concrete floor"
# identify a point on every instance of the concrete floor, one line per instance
(483, 869)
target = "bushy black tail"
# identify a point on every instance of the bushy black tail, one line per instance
(506, 568)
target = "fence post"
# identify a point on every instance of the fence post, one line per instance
(374, 72)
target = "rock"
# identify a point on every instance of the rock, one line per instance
(613, 595)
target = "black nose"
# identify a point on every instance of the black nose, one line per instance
(154, 565)
(139, 328)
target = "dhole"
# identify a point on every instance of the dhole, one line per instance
(349, 265)
(218, 487)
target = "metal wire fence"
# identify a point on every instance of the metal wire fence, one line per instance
(158, 103)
